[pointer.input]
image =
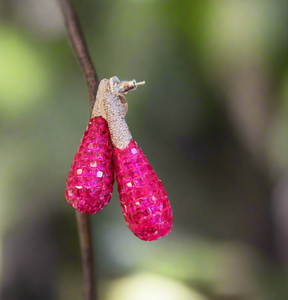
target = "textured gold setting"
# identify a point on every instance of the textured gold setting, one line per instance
(115, 111)
(98, 108)
(112, 105)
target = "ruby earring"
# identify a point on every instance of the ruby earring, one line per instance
(144, 202)
(108, 143)
(90, 181)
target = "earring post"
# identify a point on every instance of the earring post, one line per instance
(140, 83)
(126, 86)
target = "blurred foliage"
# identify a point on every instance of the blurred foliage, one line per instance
(212, 119)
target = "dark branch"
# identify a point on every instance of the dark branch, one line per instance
(77, 40)
(85, 236)
(78, 43)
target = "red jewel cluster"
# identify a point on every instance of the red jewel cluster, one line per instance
(144, 202)
(90, 181)
(145, 205)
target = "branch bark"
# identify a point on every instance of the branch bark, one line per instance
(77, 40)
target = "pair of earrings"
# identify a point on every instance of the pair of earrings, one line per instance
(107, 146)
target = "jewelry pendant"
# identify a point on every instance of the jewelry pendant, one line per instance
(90, 181)
(144, 202)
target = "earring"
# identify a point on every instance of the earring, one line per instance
(90, 181)
(144, 202)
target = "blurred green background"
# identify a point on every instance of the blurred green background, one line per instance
(212, 120)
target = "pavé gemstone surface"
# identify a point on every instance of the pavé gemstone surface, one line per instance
(90, 181)
(144, 202)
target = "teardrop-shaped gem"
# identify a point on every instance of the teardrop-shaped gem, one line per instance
(144, 202)
(90, 181)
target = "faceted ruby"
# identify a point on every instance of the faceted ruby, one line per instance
(162, 191)
(120, 188)
(125, 196)
(101, 140)
(142, 160)
(80, 208)
(99, 123)
(159, 206)
(143, 169)
(160, 185)
(78, 181)
(91, 146)
(94, 132)
(108, 180)
(91, 171)
(118, 170)
(84, 171)
(93, 192)
(153, 187)
(108, 198)
(82, 147)
(86, 139)
(80, 155)
(88, 154)
(102, 165)
(93, 139)
(140, 181)
(126, 165)
(120, 179)
(77, 193)
(88, 181)
(105, 156)
(150, 177)
(103, 134)
(138, 193)
(149, 210)
(101, 147)
(150, 168)
(82, 162)
(132, 173)
(98, 182)
(104, 193)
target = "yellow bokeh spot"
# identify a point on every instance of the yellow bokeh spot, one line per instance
(150, 286)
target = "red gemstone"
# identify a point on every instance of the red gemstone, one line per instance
(144, 202)
(90, 181)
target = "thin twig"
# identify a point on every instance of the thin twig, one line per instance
(78, 43)
(85, 236)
